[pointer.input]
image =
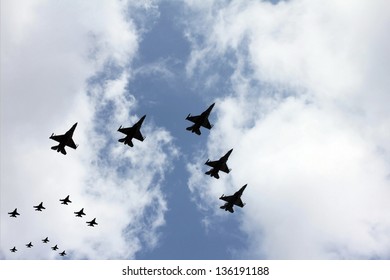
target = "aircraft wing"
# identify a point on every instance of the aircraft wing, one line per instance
(212, 163)
(58, 138)
(226, 198)
(207, 124)
(71, 144)
(193, 119)
(225, 168)
(126, 130)
(239, 203)
(139, 136)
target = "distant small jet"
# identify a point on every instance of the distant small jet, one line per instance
(232, 200)
(80, 213)
(29, 245)
(39, 207)
(54, 248)
(13, 250)
(200, 120)
(14, 213)
(45, 240)
(132, 132)
(65, 200)
(218, 165)
(92, 223)
(62, 253)
(64, 140)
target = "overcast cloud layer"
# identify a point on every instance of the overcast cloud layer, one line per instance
(307, 114)
(61, 64)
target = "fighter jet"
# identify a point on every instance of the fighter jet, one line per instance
(13, 250)
(132, 132)
(54, 248)
(39, 207)
(64, 140)
(62, 253)
(232, 200)
(14, 213)
(200, 120)
(29, 245)
(45, 240)
(80, 213)
(92, 223)
(65, 200)
(218, 165)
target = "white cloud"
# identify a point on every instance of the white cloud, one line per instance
(308, 121)
(62, 64)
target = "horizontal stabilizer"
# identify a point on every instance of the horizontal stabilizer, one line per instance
(54, 147)
(189, 128)
(122, 140)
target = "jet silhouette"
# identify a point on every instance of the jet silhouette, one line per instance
(218, 165)
(64, 140)
(80, 213)
(232, 200)
(39, 207)
(92, 223)
(200, 120)
(45, 240)
(62, 253)
(65, 200)
(14, 213)
(29, 245)
(132, 132)
(54, 248)
(13, 250)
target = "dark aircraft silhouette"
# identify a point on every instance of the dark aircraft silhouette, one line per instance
(62, 253)
(200, 120)
(92, 223)
(218, 165)
(132, 132)
(54, 248)
(64, 140)
(80, 213)
(14, 213)
(232, 200)
(45, 240)
(39, 207)
(13, 250)
(29, 245)
(65, 200)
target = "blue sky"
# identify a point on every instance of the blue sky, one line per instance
(301, 95)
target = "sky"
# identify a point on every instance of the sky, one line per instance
(301, 95)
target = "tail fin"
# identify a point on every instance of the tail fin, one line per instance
(197, 131)
(63, 151)
(212, 174)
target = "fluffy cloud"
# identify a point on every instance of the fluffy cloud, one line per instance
(62, 64)
(308, 120)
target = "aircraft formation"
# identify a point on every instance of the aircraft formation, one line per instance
(134, 132)
(40, 207)
(202, 120)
